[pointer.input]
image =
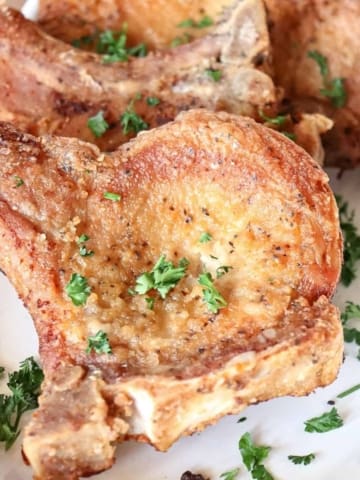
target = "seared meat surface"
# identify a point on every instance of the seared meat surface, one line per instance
(47, 86)
(272, 221)
(332, 28)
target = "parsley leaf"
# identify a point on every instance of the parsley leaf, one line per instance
(231, 474)
(351, 311)
(84, 252)
(180, 40)
(349, 391)
(302, 459)
(112, 45)
(18, 181)
(131, 121)
(2, 371)
(205, 237)
(204, 22)
(279, 120)
(351, 242)
(115, 197)
(333, 88)
(83, 41)
(24, 385)
(214, 74)
(152, 101)
(211, 296)
(241, 419)
(97, 124)
(220, 271)
(289, 135)
(163, 277)
(253, 456)
(99, 343)
(78, 289)
(325, 422)
(150, 302)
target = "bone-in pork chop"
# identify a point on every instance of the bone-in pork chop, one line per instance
(47, 86)
(176, 280)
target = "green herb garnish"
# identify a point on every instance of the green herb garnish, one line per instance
(231, 474)
(211, 296)
(18, 181)
(333, 88)
(253, 456)
(24, 385)
(279, 120)
(302, 459)
(351, 311)
(220, 271)
(78, 289)
(351, 242)
(204, 22)
(85, 40)
(152, 101)
(97, 124)
(99, 343)
(349, 391)
(325, 422)
(84, 252)
(163, 277)
(115, 197)
(180, 40)
(150, 301)
(241, 419)
(214, 74)
(131, 121)
(289, 135)
(205, 237)
(2, 371)
(112, 45)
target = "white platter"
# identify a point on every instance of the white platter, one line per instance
(278, 423)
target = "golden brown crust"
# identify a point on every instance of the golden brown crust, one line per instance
(332, 28)
(47, 86)
(272, 218)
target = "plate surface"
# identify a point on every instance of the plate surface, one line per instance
(277, 423)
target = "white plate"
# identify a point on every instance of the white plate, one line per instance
(278, 423)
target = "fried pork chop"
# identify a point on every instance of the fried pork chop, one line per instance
(332, 28)
(248, 319)
(47, 86)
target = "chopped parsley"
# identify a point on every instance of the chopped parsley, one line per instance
(78, 289)
(152, 101)
(302, 459)
(279, 120)
(2, 371)
(349, 391)
(211, 296)
(112, 45)
(352, 311)
(253, 456)
(84, 41)
(150, 302)
(231, 474)
(333, 88)
(204, 22)
(131, 121)
(99, 343)
(182, 40)
(205, 237)
(351, 242)
(325, 422)
(24, 385)
(163, 277)
(220, 271)
(84, 252)
(18, 181)
(97, 124)
(214, 74)
(115, 197)
(289, 135)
